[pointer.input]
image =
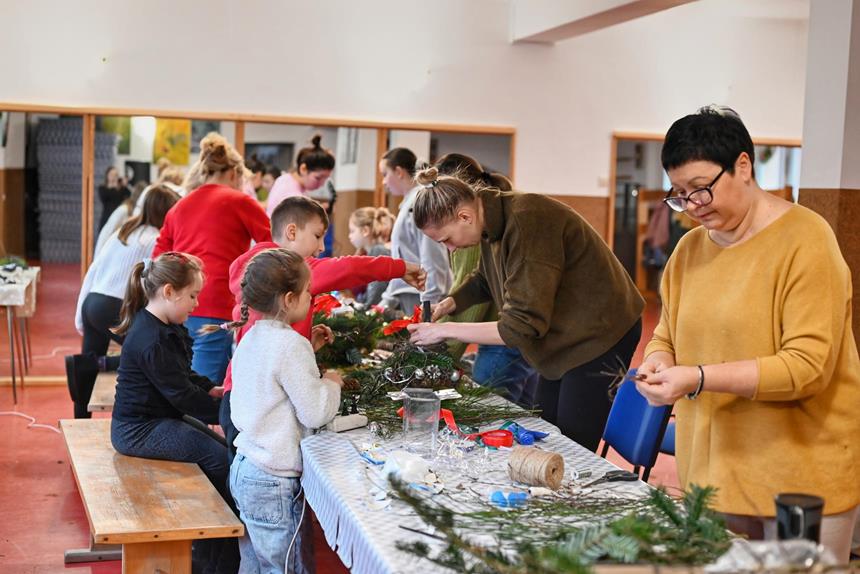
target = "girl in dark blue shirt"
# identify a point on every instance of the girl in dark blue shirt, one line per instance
(156, 386)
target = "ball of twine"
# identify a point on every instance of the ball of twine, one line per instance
(536, 467)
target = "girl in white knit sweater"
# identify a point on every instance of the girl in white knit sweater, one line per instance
(280, 397)
(103, 290)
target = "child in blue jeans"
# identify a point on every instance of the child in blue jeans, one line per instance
(281, 395)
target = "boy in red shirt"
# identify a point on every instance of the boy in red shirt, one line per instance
(299, 224)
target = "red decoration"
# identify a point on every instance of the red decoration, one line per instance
(400, 324)
(325, 304)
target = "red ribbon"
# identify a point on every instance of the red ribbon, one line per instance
(325, 304)
(400, 324)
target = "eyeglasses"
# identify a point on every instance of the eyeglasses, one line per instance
(699, 197)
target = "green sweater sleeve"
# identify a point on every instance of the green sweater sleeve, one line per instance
(464, 262)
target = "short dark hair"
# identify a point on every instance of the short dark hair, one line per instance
(299, 210)
(401, 157)
(713, 133)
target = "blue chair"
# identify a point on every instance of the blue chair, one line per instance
(667, 446)
(635, 428)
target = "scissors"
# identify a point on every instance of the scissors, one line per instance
(614, 476)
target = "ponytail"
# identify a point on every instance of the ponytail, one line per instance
(172, 268)
(135, 300)
(468, 169)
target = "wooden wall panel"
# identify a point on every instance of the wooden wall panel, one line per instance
(593, 209)
(12, 222)
(347, 202)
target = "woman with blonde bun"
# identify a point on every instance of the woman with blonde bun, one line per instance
(564, 300)
(216, 222)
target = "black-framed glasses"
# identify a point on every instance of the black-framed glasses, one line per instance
(699, 197)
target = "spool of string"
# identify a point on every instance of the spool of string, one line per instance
(536, 467)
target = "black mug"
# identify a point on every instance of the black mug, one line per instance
(798, 516)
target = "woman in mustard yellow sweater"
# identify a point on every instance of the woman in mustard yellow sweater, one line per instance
(755, 341)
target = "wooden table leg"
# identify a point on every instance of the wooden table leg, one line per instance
(149, 557)
(10, 326)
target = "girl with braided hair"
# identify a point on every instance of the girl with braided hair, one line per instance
(281, 396)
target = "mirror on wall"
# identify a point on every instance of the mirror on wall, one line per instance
(645, 231)
(493, 151)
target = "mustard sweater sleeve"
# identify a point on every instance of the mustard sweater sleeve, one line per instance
(816, 310)
(661, 339)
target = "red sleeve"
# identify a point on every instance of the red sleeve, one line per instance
(165, 237)
(237, 268)
(333, 273)
(256, 221)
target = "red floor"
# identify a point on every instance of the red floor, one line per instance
(52, 329)
(42, 511)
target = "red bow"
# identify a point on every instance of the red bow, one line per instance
(400, 324)
(325, 304)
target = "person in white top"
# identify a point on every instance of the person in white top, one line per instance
(282, 395)
(408, 242)
(102, 292)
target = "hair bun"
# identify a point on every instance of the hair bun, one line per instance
(213, 144)
(316, 141)
(427, 176)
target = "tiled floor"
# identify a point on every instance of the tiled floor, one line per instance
(42, 511)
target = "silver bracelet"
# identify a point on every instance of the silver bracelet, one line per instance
(698, 391)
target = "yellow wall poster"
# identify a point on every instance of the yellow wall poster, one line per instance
(172, 140)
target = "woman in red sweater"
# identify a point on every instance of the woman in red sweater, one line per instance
(216, 222)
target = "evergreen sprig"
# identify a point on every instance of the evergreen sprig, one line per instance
(353, 335)
(656, 530)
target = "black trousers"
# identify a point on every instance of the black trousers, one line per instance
(579, 402)
(99, 313)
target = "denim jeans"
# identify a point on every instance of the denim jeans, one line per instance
(212, 352)
(230, 430)
(173, 439)
(504, 370)
(271, 508)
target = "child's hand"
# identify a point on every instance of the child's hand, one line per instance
(321, 335)
(334, 376)
(216, 392)
(444, 307)
(415, 276)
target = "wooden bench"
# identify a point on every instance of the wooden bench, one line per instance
(154, 508)
(104, 393)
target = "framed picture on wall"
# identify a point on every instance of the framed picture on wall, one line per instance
(119, 125)
(199, 129)
(272, 154)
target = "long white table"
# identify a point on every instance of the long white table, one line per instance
(337, 483)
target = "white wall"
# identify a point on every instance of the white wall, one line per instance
(493, 152)
(416, 141)
(398, 60)
(362, 173)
